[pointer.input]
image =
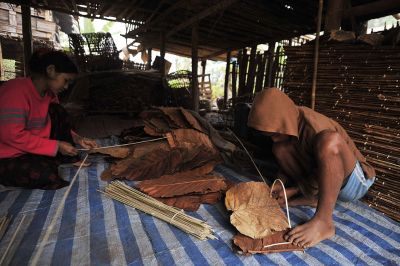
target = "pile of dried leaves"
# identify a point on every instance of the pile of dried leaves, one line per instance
(176, 169)
(258, 218)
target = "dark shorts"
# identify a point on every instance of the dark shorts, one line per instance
(37, 171)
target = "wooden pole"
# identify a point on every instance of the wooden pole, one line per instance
(162, 54)
(203, 73)
(27, 36)
(252, 70)
(334, 13)
(148, 66)
(268, 74)
(316, 55)
(234, 79)
(1, 63)
(227, 73)
(195, 60)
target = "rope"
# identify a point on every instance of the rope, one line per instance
(57, 214)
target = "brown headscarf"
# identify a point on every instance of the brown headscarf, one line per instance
(273, 111)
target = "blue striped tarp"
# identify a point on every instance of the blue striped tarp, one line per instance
(96, 230)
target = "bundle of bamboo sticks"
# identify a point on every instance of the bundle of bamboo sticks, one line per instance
(358, 86)
(120, 191)
(4, 222)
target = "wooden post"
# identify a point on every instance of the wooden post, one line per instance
(234, 79)
(252, 70)
(27, 36)
(162, 53)
(195, 60)
(203, 73)
(227, 72)
(148, 66)
(316, 55)
(243, 72)
(1, 63)
(268, 73)
(334, 14)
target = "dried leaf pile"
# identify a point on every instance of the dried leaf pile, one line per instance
(258, 218)
(177, 169)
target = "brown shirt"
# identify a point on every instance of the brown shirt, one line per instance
(273, 111)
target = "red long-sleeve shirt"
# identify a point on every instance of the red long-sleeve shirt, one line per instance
(24, 121)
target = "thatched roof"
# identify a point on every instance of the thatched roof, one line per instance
(222, 24)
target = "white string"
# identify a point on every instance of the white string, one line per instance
(287, 212)
(175, 215)
(121, 145)
(247, 152)
(12, 239)
(277, 244)
(56, 215)
(284, 192)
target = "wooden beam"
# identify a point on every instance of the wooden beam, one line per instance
(148, 66)
(168, 11)
(195, 61)
(316, 54)
(380, 8)
(334, 14)
(27, 36)
(162, 53)
(203, 73)
(227, 72)
(234, 82)
(268, 73)
(222, 4)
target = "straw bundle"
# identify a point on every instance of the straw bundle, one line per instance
(120, 191)
(358, 86)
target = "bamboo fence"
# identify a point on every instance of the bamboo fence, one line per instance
(358, 86)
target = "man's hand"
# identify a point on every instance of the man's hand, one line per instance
(66, 148)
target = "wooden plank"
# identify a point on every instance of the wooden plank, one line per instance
(374, 9)
(252, 70)
(222, 4)
(27, 36)
(195, 61)
(227, 73)
(334, 13)
(234, 82)
(268, 74)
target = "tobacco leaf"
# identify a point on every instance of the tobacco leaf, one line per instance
(252, 246)
(182, 136)
(175, 115)
(192, 120)
(154, 164)
(169, 186)
(255, 213)
(116, 152)
(192, 202)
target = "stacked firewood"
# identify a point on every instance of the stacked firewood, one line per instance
(175, 169)
(358, 86)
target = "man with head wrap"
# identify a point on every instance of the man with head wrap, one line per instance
(316, 156)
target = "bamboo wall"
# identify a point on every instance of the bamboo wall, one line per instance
(358, 86)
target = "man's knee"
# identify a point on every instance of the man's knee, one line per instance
(328, 143)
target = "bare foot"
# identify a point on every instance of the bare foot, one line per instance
(311, 233)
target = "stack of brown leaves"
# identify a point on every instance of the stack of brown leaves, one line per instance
(179, 165)
(186, 190)
(258, 218)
